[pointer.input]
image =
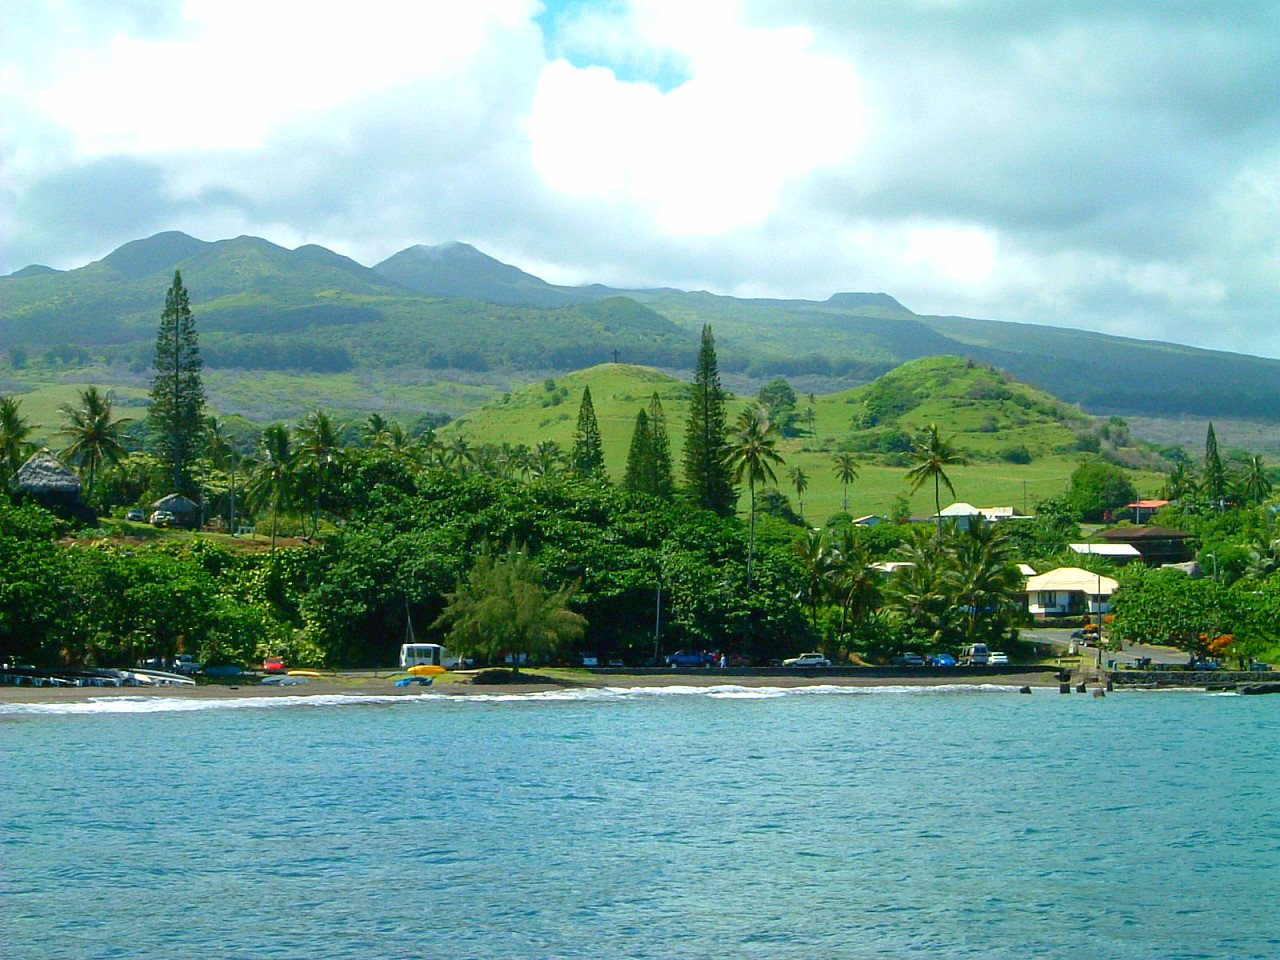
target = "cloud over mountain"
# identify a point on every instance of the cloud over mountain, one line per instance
(1092, 164)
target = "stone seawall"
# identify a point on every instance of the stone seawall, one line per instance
(1191, 678)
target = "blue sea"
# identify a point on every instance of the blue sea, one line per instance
(661, 823)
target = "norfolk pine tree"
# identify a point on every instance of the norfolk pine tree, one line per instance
(1215, 475)
(664, 483)
(588, 450)
(705, 447)
(177, 392)
(639, 475)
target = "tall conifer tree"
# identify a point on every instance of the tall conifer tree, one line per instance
(588, 450)
(705, 472)
(639, 475)
(177, 392)
(1215, 476)
(664, 483)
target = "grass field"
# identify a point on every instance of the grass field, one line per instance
(41, 406)
(619, 390)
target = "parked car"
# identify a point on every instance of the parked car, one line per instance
(1205, 663)
(136, 515)
(687, 658)
(163, 518)
(185, 663)
(942, 660)
(996, 658)
(975, 655)
(1257, 666)
(908, 660)
(273, 664)
(807, 660)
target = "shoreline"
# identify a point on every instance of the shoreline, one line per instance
(460, 686)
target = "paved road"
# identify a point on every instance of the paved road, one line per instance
(1061, 637)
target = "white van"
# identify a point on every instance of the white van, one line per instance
(975, 656)
(430, 654)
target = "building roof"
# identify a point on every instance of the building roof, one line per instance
(1129, 534)
(1072, 579)
(1026, 570)
(175, 503)
(889, 566)
(1106, 549)
(960, 509)
(864, 521)
(45, 473)
(1148, 504)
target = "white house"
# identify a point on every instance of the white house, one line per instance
(1120, 553)
(1069, 591)
(962, 514)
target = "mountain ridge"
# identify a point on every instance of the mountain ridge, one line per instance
(451, 306)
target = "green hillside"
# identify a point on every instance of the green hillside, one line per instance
(982, 410)
(450, 312)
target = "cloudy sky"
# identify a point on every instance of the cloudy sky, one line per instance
(1107, 165)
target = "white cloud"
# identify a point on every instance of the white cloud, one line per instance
(759, 109)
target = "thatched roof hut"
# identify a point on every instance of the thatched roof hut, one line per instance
(47, 481)
(176, 504)
(187, 512)
(44, 474)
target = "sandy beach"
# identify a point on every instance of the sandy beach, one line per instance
(461, 685)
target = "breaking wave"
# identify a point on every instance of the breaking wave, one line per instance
(193, 704)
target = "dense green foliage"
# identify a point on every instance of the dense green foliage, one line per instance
(501, 609)
(1098, 487)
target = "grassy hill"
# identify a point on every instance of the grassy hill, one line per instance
(982, 410)
(450, 312)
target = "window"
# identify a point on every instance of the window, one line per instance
(1047, 598)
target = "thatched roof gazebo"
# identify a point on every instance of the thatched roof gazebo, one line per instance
(187, 512)
(47, 481)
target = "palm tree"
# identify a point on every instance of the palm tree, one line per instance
(917, 589)
(1180, 483)
(855, 585)
(1255, 484)
(815, 568)
(983, 576)
(374, 429)
(319, 450)
(94, 437)
(799, 480)
(224, 458)
(547, 458)
(14, 430)
(932, 455)
(459, 455)
(752, 454)
(846, 472)
(273, 480)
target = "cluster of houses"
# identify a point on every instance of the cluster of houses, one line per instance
(1074, 591)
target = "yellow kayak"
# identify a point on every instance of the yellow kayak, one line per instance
(425, 670)
(306, 673)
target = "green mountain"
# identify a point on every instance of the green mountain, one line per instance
(452, 312)
(459, 270)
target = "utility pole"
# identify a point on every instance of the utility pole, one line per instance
(1024, 498)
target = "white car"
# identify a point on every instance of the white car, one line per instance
(998, 659)
(807, 660)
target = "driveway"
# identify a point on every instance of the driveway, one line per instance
(1061, 637)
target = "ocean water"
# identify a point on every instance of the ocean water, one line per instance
(671, 823)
